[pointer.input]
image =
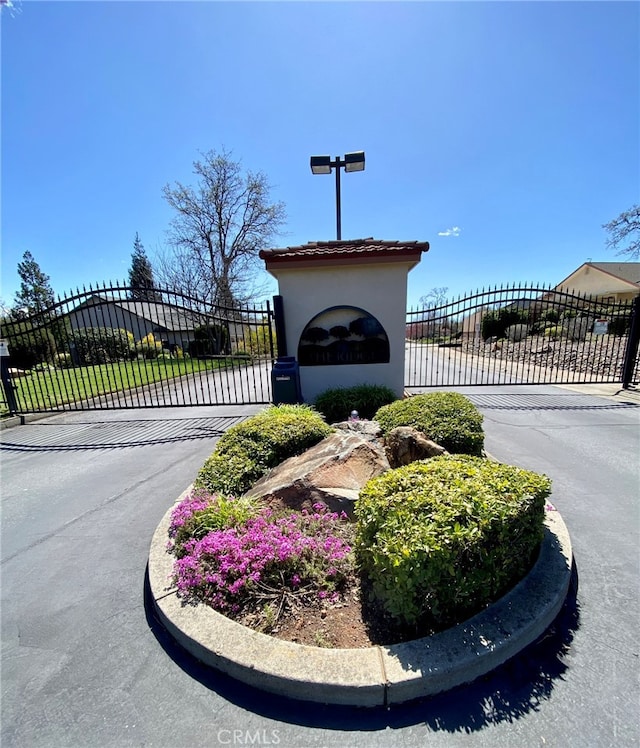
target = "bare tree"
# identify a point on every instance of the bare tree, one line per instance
(435, 297)
(220, 226)
(624, 233)
(175, 270)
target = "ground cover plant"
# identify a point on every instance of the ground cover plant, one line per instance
(246, 451)
(254, 562)
(447, 418)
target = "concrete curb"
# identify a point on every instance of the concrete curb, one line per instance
(381, 675)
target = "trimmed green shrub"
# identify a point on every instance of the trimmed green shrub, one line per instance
(149, 347)
(248, 450)
(448, 418)
(100, 345)
(554, 332)
(28, 345)
(63, 361)
(336, 404)
(257, 341)
(438, 540)
(210, 340)
(550, 315)
(516, 333)
(619, 325)
(496, 322)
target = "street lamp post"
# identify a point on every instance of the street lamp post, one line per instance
(324, 165)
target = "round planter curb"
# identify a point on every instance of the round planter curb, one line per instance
(379, 675)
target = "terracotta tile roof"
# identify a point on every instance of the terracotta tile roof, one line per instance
(353, 249)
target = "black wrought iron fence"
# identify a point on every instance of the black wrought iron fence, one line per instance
(523, 335)
(113, 347)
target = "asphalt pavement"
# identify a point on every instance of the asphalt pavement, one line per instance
(85, 663)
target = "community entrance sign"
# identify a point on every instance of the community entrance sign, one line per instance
(344, 306)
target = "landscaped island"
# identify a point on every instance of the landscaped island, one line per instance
(431, 543)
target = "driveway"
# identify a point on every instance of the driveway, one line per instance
(85, 664)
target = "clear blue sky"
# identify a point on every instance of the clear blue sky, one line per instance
(516, 122)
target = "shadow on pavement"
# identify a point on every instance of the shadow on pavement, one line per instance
(50, 437)
(510, 692)
(544, 401)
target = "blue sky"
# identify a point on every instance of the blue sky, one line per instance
(516, 122)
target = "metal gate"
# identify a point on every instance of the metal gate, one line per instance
(523, 335)
(119, 347)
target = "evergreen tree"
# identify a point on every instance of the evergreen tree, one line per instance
(35, 294)
(141, 274)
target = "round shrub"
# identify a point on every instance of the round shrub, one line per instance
(553, 332)
(149, 347)
(495, 323)
(210, 340)
(516, 333)
(619, 325)
(447, 418)
(100, 345)
(336, 404)
(63, 361)
(28, 345)
(440, 539)
(246, 451)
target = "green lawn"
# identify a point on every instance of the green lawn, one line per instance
(42, 390)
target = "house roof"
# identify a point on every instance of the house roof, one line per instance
(169, 317)
(350, 251)
(627, 272)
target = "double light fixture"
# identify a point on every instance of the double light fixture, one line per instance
(325, 164)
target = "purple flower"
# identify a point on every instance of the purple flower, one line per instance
(186, 508)
(224, 566)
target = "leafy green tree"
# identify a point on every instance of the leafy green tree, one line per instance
(141, 274)
(35, 294)
(624, 233)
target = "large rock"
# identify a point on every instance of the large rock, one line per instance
(405, 444)
(370, 430)
(332, 473)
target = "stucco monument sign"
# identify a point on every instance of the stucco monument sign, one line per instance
(344, 306)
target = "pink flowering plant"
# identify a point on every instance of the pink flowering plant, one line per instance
(263, 565)
(200, 513)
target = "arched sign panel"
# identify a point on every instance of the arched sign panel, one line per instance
(343, 335)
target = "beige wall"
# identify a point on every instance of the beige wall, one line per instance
(589, 280)
(380, 289)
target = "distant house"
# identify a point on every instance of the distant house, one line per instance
(173, 325)
(608, 281)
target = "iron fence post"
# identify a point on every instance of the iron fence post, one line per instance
(12, 403)
(281, 335)
(631, 351)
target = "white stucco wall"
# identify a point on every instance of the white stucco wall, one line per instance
(380, 289)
